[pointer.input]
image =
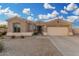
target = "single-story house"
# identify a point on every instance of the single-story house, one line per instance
(21, 27)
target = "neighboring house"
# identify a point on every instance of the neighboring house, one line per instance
(21, 27)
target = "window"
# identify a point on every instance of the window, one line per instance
(16, 27)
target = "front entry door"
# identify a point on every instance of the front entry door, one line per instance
(38, 30)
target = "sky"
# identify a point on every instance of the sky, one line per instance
(40, 12)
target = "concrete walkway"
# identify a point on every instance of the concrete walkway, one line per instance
(68, 46)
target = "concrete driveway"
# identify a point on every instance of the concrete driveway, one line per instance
(67, 45)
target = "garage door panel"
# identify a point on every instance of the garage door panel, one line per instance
(57, 30)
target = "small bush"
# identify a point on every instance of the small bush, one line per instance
(22, 36)
(35, 33)
(4, 33)
(13, 37)
(0, 34)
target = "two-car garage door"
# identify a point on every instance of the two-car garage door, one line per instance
(57, 31)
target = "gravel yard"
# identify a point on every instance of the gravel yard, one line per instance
(29, 46)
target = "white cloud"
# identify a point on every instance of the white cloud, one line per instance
(8, 12)
(71, 7)
(32, 14)
(35, 19)
(72, 18)
(55, 13)
(52, 15)
(61, 17)
(64, 7)
(76, 12)
(30, 18)
(41, 16)
(26, 11)
(64, 12)
(48, 6)
(11, 14)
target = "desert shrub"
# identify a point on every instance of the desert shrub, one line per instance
(1, 46)
(4, 33)
(22, 36)
(35, 33)
(0, 34)
(13, 37)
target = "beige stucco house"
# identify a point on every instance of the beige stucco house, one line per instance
(21, 27)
